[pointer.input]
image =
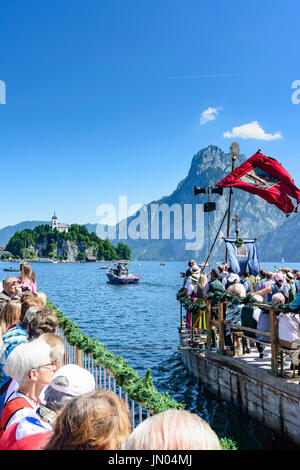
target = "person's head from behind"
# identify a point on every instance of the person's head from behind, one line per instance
(41, 297)
(26, 272)
(278, 298)
(191, 263)
(278, 278)
(202, 281)
(173, 430)
(68, 382)
(214, 273)
(29, 299)
(258, 298)
(10, 315)
(57, 348)
(221, 268)
(262, 273)
(30, 363)
(237, 290)
(10, 285)
(97, 420)
(269, 275)
(39, 320)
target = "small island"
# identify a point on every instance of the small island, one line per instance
(75, 244)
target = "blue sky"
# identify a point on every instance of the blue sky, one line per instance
(104, 98)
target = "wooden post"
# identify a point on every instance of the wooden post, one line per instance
(274, 342)
(208, 318)
(78, 357)
(221, 326)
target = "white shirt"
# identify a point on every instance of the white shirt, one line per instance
(189, 286)
(289, 327)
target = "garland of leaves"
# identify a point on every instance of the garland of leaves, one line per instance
(139, 389)
(219, 296)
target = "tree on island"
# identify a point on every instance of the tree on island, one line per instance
(78, 234)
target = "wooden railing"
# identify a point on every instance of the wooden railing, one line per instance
(104, 379)
(277, 345)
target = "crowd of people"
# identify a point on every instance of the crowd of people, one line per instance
(279, 287)
(47, 404)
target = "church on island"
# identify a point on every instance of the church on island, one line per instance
(57, 226)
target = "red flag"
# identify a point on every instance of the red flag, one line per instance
(267, 178)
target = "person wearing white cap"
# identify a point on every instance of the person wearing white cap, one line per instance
(33, 432)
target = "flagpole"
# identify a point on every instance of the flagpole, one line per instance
(234, 150)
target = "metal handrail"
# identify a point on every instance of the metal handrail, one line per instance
(104, 379)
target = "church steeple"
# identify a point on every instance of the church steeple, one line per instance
(54, 221)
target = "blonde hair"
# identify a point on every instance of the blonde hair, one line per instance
(97, 420)
(57, 346)
(237, 289)
(29, 299)
(173, 430)
(42, 297)
(26, 272)
(10, 315)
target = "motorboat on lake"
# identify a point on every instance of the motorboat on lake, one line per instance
(119, 274)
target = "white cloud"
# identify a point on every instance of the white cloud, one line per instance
(209, 114)
(252, 131)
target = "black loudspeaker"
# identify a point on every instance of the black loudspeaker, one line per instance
(209, 206)
(199, 190)
(217, 190)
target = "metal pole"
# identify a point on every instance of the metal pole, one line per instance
(234, 150)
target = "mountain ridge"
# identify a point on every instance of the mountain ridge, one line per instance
(259, 219)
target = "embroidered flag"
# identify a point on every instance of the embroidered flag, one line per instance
(267, 178)
(243, 257)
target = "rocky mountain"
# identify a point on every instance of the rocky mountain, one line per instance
(276, 234)
(258, 218)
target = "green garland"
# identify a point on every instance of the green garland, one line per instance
(216, 297)
(139, 389)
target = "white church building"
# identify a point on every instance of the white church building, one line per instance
(57, 226)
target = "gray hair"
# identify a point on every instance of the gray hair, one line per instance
(278, 298)
(55, 400)
(8, 280)
(24, 358)
(237, 289)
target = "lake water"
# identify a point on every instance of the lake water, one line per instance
(146, 315)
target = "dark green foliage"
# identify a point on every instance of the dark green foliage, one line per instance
(77, 234)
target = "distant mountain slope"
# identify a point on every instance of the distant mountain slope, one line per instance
(282, 242)
(277, 235)
(7, 232)
(208, 167)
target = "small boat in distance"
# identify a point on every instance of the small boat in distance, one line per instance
(11, 269)
(119, 274)
(162, 264)
(105, 266)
